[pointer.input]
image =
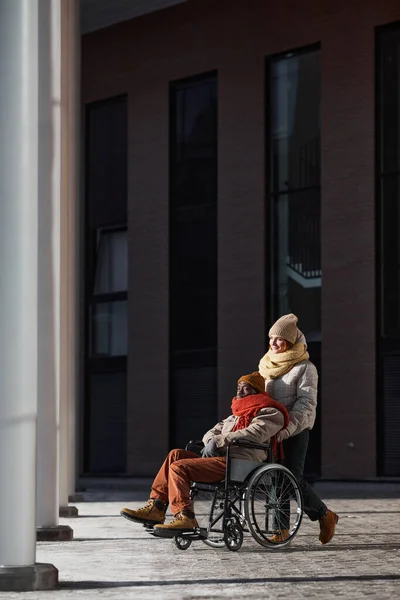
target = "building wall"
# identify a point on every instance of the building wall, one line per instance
(140, 57)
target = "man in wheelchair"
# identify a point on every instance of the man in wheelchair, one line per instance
(255, 418)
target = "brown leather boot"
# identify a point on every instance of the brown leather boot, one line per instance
(280, 536)
(327, 526)
(181, 524)
(151, 514)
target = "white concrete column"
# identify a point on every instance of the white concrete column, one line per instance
(73, 229)
(48, 527)
(18, 296)
(69, 53)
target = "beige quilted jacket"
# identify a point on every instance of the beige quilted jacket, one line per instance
(265, 424)
(297, 390)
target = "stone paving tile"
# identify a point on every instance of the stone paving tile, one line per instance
(113, 558)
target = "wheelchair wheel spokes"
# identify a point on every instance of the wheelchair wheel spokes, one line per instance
(273, 506)
(208, 506)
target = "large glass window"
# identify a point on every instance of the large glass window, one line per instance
(194, 214)
(389, 179)
(193, 256)
(295, 167)
(106, 286)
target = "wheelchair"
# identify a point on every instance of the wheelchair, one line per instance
(260, 499)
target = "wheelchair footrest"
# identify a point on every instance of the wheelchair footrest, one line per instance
(187, 534)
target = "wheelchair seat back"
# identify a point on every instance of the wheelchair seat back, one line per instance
(241, 469)
(239, 472)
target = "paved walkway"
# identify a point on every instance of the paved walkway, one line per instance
(113, 558)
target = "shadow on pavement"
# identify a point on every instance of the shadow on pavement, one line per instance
(327, 548)
(98, 516)
(361, 490)
(93, 585)
(368, 512)
(114, 539)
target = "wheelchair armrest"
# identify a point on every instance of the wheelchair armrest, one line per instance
(247, 444)
(194, 446)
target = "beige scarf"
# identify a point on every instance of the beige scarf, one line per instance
(273, 365)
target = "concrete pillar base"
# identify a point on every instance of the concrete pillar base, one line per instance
(76, 498)
(40, 576)
(68, 511)
(56, 533)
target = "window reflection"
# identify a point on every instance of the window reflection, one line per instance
(112, 264)
(109, 320)
(109, 304)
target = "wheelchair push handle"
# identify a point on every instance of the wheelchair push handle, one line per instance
(195, 444)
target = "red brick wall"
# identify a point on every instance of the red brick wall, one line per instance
(141, 57)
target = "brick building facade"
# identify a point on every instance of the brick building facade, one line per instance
(187, 343)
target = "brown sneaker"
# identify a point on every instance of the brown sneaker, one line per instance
(280, 536)
(327, 527)
(181, 524)
(151, 514)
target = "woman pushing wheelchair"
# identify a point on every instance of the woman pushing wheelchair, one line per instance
(290, 378)
(255, 417)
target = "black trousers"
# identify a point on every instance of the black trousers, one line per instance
(295, 451)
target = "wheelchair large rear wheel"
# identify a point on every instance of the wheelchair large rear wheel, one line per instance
(273, 506)
(208, 507)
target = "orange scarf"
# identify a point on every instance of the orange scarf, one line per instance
(247, 408)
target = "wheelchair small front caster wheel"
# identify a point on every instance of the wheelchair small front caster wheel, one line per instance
(233, 537)
(182, 543)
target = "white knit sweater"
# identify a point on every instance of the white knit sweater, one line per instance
(297, 390)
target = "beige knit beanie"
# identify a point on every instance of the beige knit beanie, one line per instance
(286, 328)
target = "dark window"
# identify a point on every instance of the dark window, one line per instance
(106, 287)
(388, 249)
(194, 148)
(193, 255)
(107, 430)
(389, 180)
(106, 162)
(295, 169)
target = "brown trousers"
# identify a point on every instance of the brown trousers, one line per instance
(180, 468)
